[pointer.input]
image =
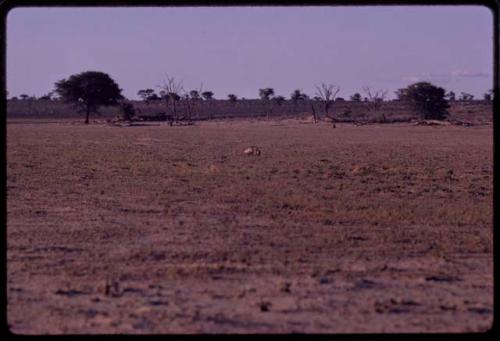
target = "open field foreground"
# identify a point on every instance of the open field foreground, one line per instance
(158, 229)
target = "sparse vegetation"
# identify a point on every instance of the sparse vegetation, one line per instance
(199, 229)
(194, 217)
(183, 209)
(198, 104)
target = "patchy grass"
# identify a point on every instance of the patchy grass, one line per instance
(348, 217)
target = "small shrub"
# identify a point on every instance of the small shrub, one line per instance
(346, 113)
(381, 118)
(127, 111)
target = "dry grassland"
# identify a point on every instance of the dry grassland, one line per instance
(158, 229)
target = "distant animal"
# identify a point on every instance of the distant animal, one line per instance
(252, 150)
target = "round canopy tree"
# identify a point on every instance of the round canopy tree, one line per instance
(427, 99)
(88, 91)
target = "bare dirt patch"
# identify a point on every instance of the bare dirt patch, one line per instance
(158, 229)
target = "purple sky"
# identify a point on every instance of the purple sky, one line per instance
(241, 49)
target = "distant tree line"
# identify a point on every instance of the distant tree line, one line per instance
(88, 91)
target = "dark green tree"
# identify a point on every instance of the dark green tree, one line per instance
(428, 99)
(88, 91)
(265, 95)
(232, 98)
(127, 111)
(464, 96)
(488, 96)
(47, 96)
(208, 96)
(154, 97)
(194, 94)
(356, 97)
(297, 96)
(450, 96)
(279, 100)
(145, 94)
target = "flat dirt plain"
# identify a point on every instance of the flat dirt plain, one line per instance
(158, 229)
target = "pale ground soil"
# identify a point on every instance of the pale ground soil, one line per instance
(379, 228)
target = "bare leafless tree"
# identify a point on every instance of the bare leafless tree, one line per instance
(375, 99)
(315, 118)
(173, 90)
(327, 93)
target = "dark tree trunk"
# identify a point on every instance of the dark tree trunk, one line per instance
(269, 111)
(87, 115)
(327, 114)
(327, 110)
(314, 113)
(174, 111)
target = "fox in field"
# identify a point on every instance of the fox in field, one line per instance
(252, 150)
